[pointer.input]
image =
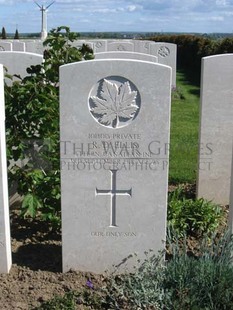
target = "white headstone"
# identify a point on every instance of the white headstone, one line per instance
(35, 47)
(126, 55)
(142, 46)
(5, 242)
(5, 46)
(18, 46)
(18, 62)
(114, 161)
(120, 46)
(167, 54)
(216, 128)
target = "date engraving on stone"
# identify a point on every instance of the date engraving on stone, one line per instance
(164, 51)
(113, 192)
(114, 102)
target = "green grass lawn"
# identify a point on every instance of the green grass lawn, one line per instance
(184, 131)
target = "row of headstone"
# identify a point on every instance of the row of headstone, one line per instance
(5, 243)
(33, 46)
(114, 157)
(165, 52)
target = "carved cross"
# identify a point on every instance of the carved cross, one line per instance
(113, 192)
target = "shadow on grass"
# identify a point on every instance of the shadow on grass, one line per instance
(190, 76)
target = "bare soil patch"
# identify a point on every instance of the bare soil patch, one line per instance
(36, 275)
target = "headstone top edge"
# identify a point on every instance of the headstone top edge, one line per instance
(82, 63)
(20, 52)
(228, 55)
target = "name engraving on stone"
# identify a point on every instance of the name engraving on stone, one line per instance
(122, 149)
(112, 154)
(113, 192)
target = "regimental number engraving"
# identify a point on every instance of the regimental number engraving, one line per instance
(113, 192)
(116, 104)
(164, 51)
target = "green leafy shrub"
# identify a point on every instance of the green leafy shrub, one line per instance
(192, 217)
(32, 127)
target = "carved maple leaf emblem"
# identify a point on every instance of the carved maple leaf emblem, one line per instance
(116, 103)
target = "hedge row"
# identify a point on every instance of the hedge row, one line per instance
(191, 48)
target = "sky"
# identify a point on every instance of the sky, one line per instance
(202, 16)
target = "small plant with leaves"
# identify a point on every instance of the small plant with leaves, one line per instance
(192, 217)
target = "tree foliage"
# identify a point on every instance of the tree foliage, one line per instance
(4, 36)
(32, 126)
(16, 36)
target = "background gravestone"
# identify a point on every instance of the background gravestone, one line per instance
(126, 55)
(5, 246)
(167, 55)
(120, 46)
(142, 46)
(18, 62)
(216, 128)
(35, 47)
(18, 46)
(5, 46)
(114, 159)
